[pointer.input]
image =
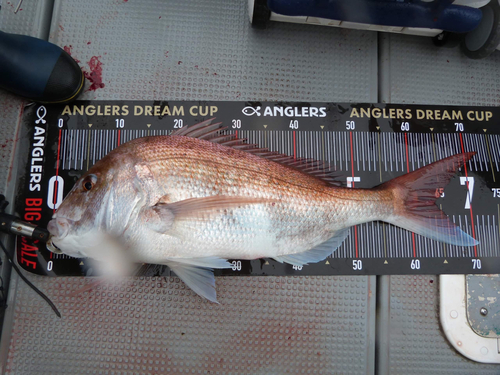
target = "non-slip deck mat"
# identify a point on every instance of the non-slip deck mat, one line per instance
(202, 51)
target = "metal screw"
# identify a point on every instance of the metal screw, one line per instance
(483, 311)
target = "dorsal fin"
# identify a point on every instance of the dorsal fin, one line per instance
(215, 133)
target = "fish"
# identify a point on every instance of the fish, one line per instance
(196, 198)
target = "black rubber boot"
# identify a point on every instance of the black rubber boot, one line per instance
(38, 70)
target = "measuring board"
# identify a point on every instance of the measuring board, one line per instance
(365, 144)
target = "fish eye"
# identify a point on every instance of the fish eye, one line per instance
(89, 182)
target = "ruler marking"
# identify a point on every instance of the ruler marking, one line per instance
(363, 148)
(483, 151)
(96, 134)
(389, 235)
(77, 147)
(465, 148)
(380, 160)
(470, 199)
(486, 136)
(56, 185)
(105, 141)
(491, 235)
(323, 148)
(428, 143)
(380, 176)
(408, 171)
(498, 223)
(495, 139)
(352, 172)
(411, 148)
(346, 146)
(88, 147)
(102, 144)
(402, 154)
(64, 151)
(483, 164)
(444, 245)
(483, 242)
(494, 237)
(468, 147)
(84, 139)
(357, 150)
(489, 248)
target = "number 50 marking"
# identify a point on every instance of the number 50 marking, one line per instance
(469, 181)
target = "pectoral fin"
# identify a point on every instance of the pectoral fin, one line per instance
(162, 216)
(317, 253)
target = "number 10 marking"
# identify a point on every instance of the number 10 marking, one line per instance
(469, 181)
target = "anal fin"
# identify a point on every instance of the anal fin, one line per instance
(198, 274)
(317, 253)
(207, 262)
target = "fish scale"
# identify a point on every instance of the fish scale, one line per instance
(302, 202)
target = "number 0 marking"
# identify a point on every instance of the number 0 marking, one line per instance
(54, 205)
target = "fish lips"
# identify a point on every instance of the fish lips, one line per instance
(59, 227)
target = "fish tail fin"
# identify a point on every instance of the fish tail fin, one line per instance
(415, 197)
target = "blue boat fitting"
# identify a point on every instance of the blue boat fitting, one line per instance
(438, 14)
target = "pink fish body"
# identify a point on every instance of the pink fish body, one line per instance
(196, 198)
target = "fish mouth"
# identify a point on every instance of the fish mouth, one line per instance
(59, 227)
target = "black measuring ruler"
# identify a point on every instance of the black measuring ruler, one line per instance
(365, 144)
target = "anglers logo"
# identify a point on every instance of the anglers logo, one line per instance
(249, 111)
(41, 112)
(285, 111)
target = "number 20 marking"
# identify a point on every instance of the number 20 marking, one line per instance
(178, 123)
